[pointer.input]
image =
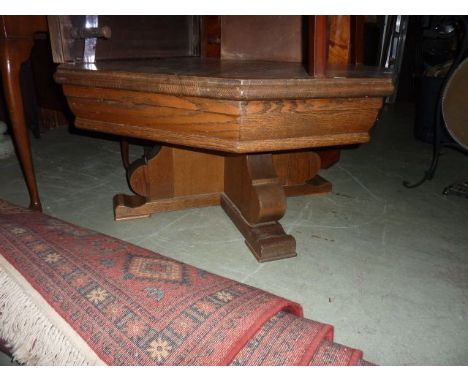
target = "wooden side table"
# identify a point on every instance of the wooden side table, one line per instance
(234, 119)
(16, 41)
(216, 126)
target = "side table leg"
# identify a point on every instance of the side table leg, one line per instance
(12, 54)
(255, 200)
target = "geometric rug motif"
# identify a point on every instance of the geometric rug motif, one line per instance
(150, 268)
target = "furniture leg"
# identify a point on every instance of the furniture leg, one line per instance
(13, 52)
(255, 200)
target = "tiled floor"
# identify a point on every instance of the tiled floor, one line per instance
(386, 265)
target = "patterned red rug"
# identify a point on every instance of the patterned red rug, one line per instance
(69, 295)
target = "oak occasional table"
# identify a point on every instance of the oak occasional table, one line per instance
(235, 133)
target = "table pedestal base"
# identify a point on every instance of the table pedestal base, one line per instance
(252, 189)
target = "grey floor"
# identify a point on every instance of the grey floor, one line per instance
(387, 266)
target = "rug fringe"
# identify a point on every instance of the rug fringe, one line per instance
(30, 336)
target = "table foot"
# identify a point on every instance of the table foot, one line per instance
(267, 241)
(135, 206)
(255, 200)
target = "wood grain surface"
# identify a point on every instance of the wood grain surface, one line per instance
(224, 125)
(227, 79)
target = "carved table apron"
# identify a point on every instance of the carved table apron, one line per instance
(233, 133)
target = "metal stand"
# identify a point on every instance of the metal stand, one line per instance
(438, 144)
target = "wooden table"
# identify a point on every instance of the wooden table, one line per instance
(232, 108)
(226, 131)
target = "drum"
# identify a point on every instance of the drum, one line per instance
(455, 105)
